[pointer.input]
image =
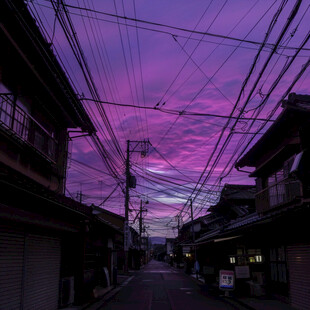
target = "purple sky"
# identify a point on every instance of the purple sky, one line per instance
(139, 61)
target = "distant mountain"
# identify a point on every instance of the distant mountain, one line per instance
(158, 240)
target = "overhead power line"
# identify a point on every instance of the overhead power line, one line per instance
(174, 35)
(170, 27)
(176, 112)
(219, 154)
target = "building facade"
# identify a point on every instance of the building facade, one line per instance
(53, 250)
(281, 169)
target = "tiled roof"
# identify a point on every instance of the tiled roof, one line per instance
(249, 219)
(236, 191)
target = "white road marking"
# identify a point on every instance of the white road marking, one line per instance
(158, 271)
(127, 281)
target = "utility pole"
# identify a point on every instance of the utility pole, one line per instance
(126, 226)
(141, 147)
(178, 216)
(141, 220)
(193, 235)
(140, 233)
(140, 225)
(192, 217)
(80, 195)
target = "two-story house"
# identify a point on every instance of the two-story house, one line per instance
(196, 238)
(41, 230)
(223, 231)
(281, 168)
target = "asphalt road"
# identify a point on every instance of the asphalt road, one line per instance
(159, 287)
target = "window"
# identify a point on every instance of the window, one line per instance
(39, 141)
(15, 116)
(6, 111)
(278, 184)
(278, 271)
(282, 188)
(276, 188)
(6, 108)
(21, 122)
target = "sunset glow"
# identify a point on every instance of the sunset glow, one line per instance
(200, 80)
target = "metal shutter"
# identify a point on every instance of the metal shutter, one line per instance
(11, 268)
(299, 275)
(42, 268)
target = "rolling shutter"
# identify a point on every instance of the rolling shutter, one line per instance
(42, 268)
(11, 268)
(299, 275)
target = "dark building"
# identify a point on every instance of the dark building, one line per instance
(282, 172)
(53, 250)
(196, 238)
(267, 245)
(223, 232)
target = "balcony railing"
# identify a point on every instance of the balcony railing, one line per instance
(279, 194)
(15, 119)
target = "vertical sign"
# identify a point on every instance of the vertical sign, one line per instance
(227, 280)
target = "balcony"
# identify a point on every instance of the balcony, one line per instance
(26, 128)
(279, 194)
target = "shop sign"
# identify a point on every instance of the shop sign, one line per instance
(208, 270)
(242, 272)
(186, 249)
(227, 280)
(126, 236)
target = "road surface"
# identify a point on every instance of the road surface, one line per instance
(159, 287)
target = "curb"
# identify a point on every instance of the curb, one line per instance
(229, 300)
(107, 296)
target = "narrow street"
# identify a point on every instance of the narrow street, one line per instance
(159, 287)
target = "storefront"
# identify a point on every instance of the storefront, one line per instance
(29, 269)
(298, 258)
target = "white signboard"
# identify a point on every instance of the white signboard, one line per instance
(242, 272)
(227, 280)
(208, 270)
(169, 247)
(186, 249)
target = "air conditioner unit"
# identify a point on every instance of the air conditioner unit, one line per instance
(66, 291)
